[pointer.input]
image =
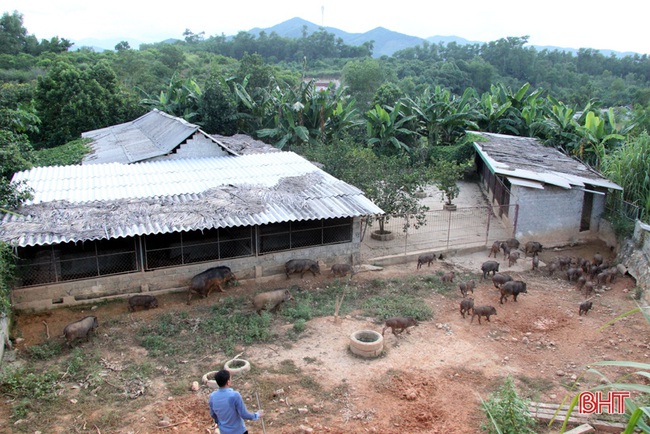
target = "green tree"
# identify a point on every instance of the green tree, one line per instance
(386, 130)
(7, 273)
(389, 181)
(13, 36)
(446, 175)
(363, 78)
(71, 100)
(443, 117)
(181, 98)
(122, 46)
(218, 108)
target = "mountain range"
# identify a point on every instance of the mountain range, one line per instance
(385, 42)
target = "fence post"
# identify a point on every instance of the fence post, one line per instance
(406, 239)
(448, 228)
(487, 231)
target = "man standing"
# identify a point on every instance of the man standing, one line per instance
(227, 407)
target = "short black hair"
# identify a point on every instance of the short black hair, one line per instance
(222, 377)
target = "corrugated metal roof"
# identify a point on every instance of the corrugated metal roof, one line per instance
(87, 202)
(527, 158)
(151, 135)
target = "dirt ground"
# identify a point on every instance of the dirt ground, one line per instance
(430, 380)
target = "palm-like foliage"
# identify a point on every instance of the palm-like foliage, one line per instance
(511, 113)
(305, 115)
(560, 124)
(180, 98)
(443, 117)
(385, 130)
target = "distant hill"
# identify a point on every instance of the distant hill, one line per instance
(386, 42)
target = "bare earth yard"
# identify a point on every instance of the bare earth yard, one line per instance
(428, 381)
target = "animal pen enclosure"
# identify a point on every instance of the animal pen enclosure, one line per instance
(467, 227)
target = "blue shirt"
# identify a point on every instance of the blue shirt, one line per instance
(228, 411)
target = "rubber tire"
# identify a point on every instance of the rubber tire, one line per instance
(208, 380)
(366, 347)
(244, 368)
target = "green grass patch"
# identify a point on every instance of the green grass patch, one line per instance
(46, 350)
(391, 305)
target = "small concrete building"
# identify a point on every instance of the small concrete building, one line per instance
(543, 194)
(111, 229)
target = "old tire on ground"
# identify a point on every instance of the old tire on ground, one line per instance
(237, 366)
(208, 380)
(366, 343)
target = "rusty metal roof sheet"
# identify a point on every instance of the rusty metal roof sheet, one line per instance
(527, 158)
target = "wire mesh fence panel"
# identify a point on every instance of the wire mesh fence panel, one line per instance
(443, 230)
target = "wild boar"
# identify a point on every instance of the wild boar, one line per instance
(589, 289)
(399, 324)
(494, 250)
(342, 270)
(204, 283)
(271, 300)
(301, 266)
(506, 250)
(584, 264)
(448, 277)
(535, 262)
(513, 243)
(512, 258)
(613, 273)
(580, 282)
(584, 307)
(427, 258)
(466, 305)
(489, 267)
(465, 287)
(80, 329)
(143, 301)
(552, 267)
(573, 274)
(563, 262)
(485, 311)
(499, 279)
(513, 288)
(533, 247)
(598, 258)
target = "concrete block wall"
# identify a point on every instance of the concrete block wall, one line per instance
(552, 214)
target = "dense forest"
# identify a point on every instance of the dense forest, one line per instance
(412, 109)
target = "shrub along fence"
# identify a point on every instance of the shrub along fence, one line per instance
(443, 230)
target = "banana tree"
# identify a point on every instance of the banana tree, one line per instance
(595, 139)
(180, 98)
(442, 116)
(386, 129)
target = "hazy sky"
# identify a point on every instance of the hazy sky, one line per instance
(620, 25)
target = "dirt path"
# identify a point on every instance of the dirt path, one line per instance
(428, 381)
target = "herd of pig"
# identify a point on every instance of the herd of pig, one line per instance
(585, 272)
(203, 284)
